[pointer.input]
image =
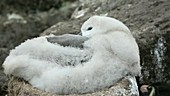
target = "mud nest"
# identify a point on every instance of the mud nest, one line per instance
(19, 87)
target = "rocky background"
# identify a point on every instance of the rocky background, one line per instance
(148, 20)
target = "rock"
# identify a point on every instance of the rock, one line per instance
(71, 27)
(4, 52)
(28, 6)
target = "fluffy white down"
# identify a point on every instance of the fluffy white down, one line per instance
(111, 53)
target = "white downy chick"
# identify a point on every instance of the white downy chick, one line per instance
(114, 55)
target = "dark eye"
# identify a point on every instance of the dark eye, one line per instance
(89, 28)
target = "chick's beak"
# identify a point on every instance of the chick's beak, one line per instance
(80, 34)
